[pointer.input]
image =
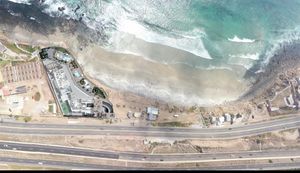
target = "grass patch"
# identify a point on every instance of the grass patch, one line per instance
(50, 108)
(27, 119)
(172, 124)
(4, 63)
(37, 96)
(13, 47)
(61, 49)
(65, 108)
(28, 48)
(100, 92)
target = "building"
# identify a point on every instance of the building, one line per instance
(63, 56)
(21, 72)
(152, 113)
(213, 120)
(227, 117)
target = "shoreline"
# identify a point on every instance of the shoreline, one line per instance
(69, 35)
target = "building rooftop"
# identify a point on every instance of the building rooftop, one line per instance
(152, 110)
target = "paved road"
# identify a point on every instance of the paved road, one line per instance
(154, 158)
(179, 133)
(85, 166)
(59, 164)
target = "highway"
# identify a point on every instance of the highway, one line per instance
(86, 166)
(178, 133)
(150, 158)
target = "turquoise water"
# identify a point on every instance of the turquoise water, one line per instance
(188, 40)
(201, 27)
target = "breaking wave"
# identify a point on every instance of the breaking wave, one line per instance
(240, 40)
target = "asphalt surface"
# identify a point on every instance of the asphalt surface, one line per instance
(59, 164)
(85, 166)
(179, 133)
(147, 158)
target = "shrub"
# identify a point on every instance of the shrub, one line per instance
(37, 96)
(27, 119)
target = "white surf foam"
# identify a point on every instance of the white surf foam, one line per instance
(240, 40)
(246, 56)
(21, 1)
(285, 39)
(186, 43)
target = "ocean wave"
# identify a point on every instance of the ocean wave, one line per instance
(186, 42)
(246, 56)
(114, 17)
(240, 40)
(21, 1)
(287, 38)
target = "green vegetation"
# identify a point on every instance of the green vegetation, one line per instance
(17, 117)
(65, 108)
(50, 108)
(28, 48)
(74, 65)
(192, 109)
(270, 161)
(4, 62)
(61, 49)
(100, 92)
(27, 119)
(172, 124)
(37, 96)
(82, 82)
(50, 101)
(13, 47)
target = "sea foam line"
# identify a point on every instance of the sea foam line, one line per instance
(240, 40)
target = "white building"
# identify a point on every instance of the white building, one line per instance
(227, 117)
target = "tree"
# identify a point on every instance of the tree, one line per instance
(82, 81)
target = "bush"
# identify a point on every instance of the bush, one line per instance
(37, 96)
(82, 82)
(99, 92)
(27, 119)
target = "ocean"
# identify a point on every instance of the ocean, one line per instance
(186, 51)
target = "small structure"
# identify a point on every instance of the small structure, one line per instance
(176, 115)
(221, 119)
(129, 114)
(137, 114)
(152, 113)
(227, 117)
(213, 119)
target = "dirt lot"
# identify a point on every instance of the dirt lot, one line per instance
(31, 105)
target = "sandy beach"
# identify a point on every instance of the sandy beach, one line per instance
(144, 80)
